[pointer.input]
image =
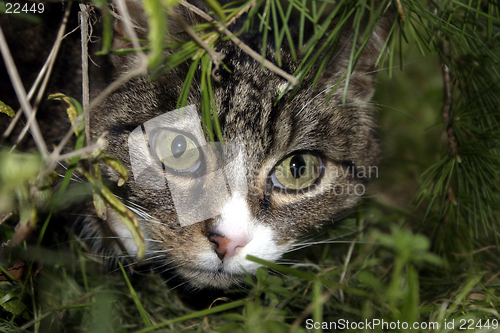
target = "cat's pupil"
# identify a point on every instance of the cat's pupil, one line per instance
(178, 146)
(297, 166)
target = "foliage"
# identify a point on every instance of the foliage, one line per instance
(441, 149)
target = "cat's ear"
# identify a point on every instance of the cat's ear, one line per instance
(362, 79)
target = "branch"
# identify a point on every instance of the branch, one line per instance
(215, 56)
(446, 112)
(269, 65)
(84, 24)
(86, 151)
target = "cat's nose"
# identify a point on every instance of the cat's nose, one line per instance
(226, 248)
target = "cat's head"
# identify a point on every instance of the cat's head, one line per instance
(286, 166)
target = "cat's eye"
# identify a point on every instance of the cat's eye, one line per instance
(298, 171)
(176, 151)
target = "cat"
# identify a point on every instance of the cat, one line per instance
(285, 167)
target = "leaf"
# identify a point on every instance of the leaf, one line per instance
(74, 109)
(138, 304)
(116, 165)
(282, 268)
(10, 303)
(202, 313)
(16, 271)
(217, 9)
(99, 203)
(4, 108)
(107, 19)
(157, 21)
(16, 168)
(409, 310)
(127, 217)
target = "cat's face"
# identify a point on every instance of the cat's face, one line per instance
(285, 169)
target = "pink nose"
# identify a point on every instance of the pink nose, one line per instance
(225, 247)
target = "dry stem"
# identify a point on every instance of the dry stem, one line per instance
(86, 151)
(447, 115)
(84, 24)
(21, 95)
(44, 74)
(54, 157)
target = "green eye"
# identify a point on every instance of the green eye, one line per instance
(177, 151)
(297, 171)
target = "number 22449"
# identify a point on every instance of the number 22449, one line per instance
(15, 8)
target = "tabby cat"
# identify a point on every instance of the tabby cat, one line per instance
(289, 162)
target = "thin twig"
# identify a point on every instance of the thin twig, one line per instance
(84, 24)
(400, 10)
(447, 115)
(241, 12)
(44, 74)
(14, 121)
(54, 157)
(21, 94)
(234, 18)
(46, 78)
(266, 63)
(132, 24)
(215, 56)
(4, 217)
(446, 112)
(485, 248)
(88, 150)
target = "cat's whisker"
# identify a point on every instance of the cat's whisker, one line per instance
(118, 238)
(170, 268)
(105, 256)
(139, 211)
(179, 285)
(159, 251)
(78, 180)
(81, 215)
(152, 259)
(305, 245)
(165, 267)
(395, 109)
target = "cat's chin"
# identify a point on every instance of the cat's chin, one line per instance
(218, 279)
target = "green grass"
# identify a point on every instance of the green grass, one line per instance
(398, 257)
